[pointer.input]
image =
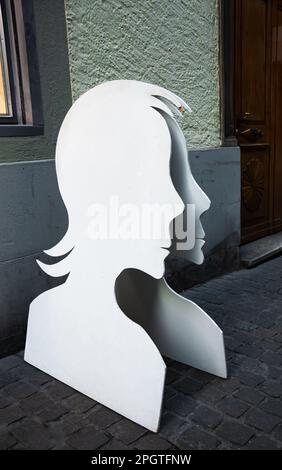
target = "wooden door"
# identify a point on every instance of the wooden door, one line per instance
(258, 109)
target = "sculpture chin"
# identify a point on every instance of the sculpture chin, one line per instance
(159, 270)
(196, 254)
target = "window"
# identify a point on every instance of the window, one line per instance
(20, 98)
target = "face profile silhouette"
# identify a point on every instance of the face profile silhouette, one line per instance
(103, 331)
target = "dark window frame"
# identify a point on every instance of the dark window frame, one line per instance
(227, 76)
(19, 30)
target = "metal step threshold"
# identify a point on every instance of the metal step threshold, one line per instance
(261, 250)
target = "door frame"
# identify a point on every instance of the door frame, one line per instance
(227, 72)
(227, 50)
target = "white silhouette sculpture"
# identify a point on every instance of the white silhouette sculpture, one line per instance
(103, 331)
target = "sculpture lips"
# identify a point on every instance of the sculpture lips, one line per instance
(167, 246)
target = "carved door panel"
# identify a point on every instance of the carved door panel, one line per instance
(257, 87)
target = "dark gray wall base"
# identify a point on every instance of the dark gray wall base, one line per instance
(33, 218)
(217, 171)
(182, 275)
(21, 281)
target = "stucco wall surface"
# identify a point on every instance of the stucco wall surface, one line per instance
(169, 43)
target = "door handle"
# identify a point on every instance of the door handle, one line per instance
(252, 132)
(245, 115)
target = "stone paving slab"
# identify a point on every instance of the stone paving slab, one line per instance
(200, 410)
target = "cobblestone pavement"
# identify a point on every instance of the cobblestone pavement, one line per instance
(200, 411)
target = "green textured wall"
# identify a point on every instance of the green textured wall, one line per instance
(52, 51)
(173, 43)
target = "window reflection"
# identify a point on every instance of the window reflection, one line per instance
(5, 101)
